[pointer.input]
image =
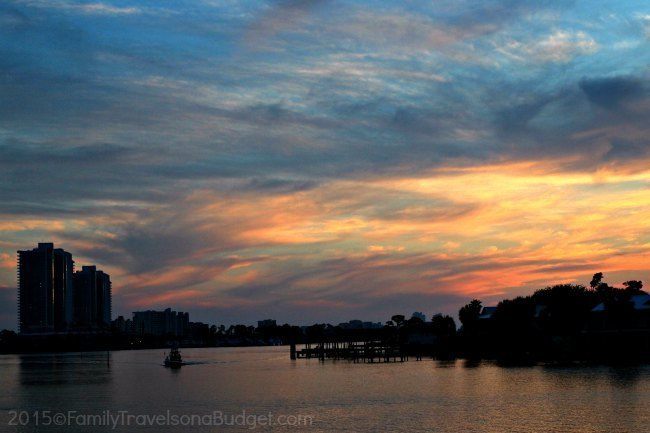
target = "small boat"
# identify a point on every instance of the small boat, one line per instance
(174, 359)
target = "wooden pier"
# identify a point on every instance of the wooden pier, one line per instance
(355, 351)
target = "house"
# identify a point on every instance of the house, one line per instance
(638, 319)
(639, 302)
(487, 313)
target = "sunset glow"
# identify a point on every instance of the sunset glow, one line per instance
(323, 161)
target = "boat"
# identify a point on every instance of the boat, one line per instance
(174, 359)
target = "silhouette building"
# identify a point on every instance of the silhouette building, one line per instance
(45, 289)
(161, 323)
(53, 298)
(122, 326)
(92, 300)
(267, 323)
(359, 324)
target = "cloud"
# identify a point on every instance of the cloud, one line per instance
(611, 92)
(86, 8)
(560, 47)
(102, 8)
(280, 16)
(13, 18)
(398, 30)
(645, 22)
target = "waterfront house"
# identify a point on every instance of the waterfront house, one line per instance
(634, 314)
(487, 313)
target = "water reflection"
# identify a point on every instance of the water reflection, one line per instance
(471, 363)
(446, 363)
(428, 395)
(627, 376)
(57, 369)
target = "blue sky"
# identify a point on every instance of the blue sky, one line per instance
(325, 160)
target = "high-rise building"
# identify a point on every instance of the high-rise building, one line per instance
(45, 289)
(92, 304)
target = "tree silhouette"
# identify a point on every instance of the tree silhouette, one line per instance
(633, 286)
(468, 315)
(415, 321)
(564, 308)
(596, 280)
(398, 319)
(443, 325)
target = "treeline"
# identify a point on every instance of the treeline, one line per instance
(561, 322)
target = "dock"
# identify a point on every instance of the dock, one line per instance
(369, 351)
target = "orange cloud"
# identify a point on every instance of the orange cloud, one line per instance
(476, 232)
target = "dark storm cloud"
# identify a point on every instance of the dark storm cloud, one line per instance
(279, 185)
(89, 172)
(628, 151)
(19, 153)
(559, 123)
(611, 92)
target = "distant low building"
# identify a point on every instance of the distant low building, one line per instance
(268, 323)
(351, 324)
(122, 326)
(161, 323)
(372, 325)
(198, 332)
(419, 315)
(358, 324)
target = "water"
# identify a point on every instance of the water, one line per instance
(428, 395)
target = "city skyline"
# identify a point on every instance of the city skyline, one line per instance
(325, 161)
(53, 297)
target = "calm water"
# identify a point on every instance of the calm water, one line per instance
(338, 396)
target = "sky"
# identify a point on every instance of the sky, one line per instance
(320, 161)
